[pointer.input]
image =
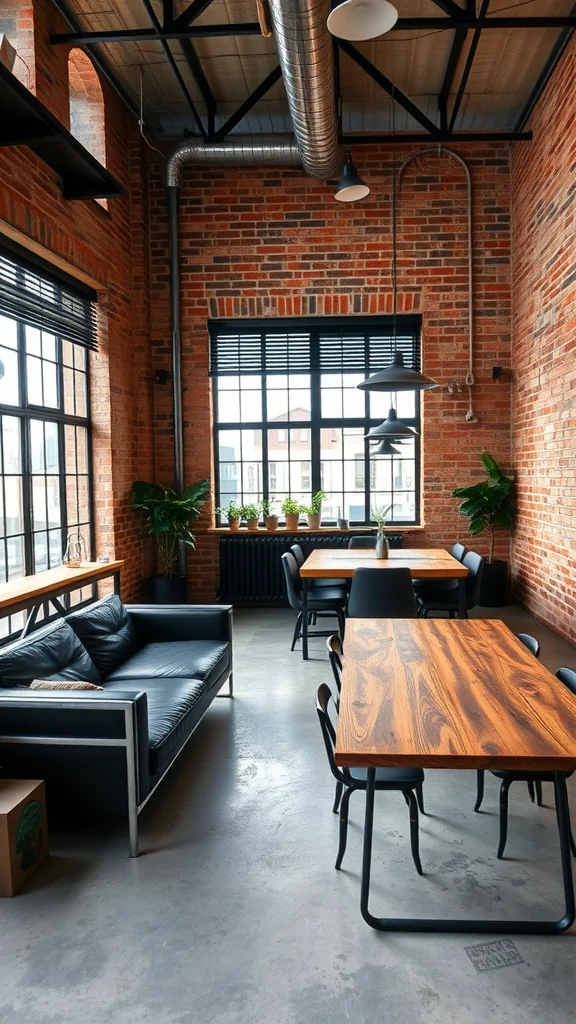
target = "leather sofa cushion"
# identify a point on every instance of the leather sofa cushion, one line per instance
(107, 632)
(173, 712)
(206, 660)
(52, 652)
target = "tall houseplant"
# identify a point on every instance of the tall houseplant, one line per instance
(168, 517)
(489, 505)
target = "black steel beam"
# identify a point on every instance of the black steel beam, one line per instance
(388, 86)
(197, 70)
(243, 109)
(467, 67)
(135, 35)
(193, 11)
(453, 10)
(544, 76)
(170, 58)
(460, 36)
(454, 137)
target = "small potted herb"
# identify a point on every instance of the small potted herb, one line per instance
(270, 517)
(233, 513)
(379, 515)
(291, 509)
(314, 512)
(251, 513)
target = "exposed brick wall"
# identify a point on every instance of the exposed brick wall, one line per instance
(544, 355)
(270, 242)
(86, 104)
(112, 247)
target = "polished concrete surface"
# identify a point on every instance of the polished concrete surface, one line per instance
(234, 913)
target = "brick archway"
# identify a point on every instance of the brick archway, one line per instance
(86, 105)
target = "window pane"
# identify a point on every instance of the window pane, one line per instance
(11, 444)
(251, 406)
(39, 503)
(68, 353)
(71, 501)
(34, 380)
(13, 496)
(83, 500)
(37, 446)
(277, 403)
(55, 547)
(70, 448)
(80, 392)
(8, 332)
(53, 499)
(52, 453)
(69, 405)
(15, 550)
(9, 381)
(40, 552)
(33, 341)
(51, 386)
(48, 346)
(229, 407)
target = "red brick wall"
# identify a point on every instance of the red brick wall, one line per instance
(270, 242)
(544, 355)
(112, 247)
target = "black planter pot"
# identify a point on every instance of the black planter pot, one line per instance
(168, 589)
(494, 586)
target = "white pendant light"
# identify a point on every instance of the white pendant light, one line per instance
(351, 187)
(362, 19)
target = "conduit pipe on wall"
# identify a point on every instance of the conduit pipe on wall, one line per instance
(441, 151)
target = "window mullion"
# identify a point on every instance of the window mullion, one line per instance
(264, 441)
(315, 415)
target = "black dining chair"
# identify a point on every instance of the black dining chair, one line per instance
(408, 781)
(368, 541)
(568, 678)
(331, 601)
(437, 599)
(382, 594)
(334, 645)
(433, 587)
(313, 584)
(530, 642)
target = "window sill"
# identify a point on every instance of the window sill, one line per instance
(243, 531)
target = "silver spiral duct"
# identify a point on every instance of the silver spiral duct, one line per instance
(242, 150)
(305, 53)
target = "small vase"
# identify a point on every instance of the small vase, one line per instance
(292, 519)
(252, 524)
(313, 521)
(382, 546)
(234, 525)
(271, 522)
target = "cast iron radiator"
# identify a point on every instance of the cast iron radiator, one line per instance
(251, 570)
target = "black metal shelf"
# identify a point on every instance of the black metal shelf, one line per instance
(24, 121)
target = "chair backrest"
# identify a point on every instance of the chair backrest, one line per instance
(458, 551)
(475, 564)
(568, 677)
(293, 582)
(298, 554)
(530, 642)
(368, 541)
(334, 645)
(382, 594)
(324, 703)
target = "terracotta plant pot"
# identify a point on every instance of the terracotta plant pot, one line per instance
(252, 524)
(313, 521)
(234, 524)
(271, 522)
(292, 521)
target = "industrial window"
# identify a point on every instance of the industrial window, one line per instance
(289, 419)
(46, 328)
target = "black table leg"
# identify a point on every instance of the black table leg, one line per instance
(305, 619)
(407, 924)
(462, 597)
(117, 582)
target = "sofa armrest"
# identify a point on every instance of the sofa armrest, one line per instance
(156, 623)
(86, 718)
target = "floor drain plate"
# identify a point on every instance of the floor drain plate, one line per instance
(488, 956)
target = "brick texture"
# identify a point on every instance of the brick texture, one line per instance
(112, 247)
(263, 242)
(544, 347)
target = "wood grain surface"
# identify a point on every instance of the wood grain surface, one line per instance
(31, 589)
(341, 563)
(447, 693)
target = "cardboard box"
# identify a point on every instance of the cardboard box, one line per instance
(23, 832)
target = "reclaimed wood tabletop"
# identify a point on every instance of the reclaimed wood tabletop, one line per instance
(341, 563)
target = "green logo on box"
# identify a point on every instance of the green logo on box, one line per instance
(29, 834)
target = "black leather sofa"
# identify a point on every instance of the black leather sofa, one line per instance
(160, 666)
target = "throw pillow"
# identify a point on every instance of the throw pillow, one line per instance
(63, 684)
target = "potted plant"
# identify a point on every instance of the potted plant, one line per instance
(379, 515)
(291, 510)
(251, 514)
(233, 513)
(168, 517)
(314, 512)
(270, 517)
(489, 505)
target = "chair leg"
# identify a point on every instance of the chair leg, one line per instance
(340, 617)
(296, 630)
(414, 837)
(337, 796)
(479, 788)
(571, 837)
(503, 818)
(531, 790)
(343, 827)
(420, 797)
(539, 799)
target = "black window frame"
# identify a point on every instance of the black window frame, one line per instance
(315, 326)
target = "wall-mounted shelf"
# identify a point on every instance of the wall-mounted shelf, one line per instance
(24, 121)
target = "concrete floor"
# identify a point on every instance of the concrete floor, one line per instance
(234, 912)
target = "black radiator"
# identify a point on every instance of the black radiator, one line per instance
(250, 566)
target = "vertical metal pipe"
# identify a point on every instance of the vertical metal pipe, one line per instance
(172, 193)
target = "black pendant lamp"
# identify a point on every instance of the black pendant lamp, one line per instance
(390, 429)
(397, 377)
(362, 19)
(384, 448)
(351, 187)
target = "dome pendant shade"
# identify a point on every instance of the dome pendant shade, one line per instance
(350, 187)
(397, 377)
(384, 448)
(390, 429)
(362, 19)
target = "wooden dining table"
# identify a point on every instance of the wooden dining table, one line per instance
(453, 694)
(341, 563)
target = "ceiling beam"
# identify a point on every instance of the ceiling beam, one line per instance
(460, 37)
(545, 75)
(388, 86)
(243, 109)
(193, 11)
(450, 8)
(176, 70)
(197, 70)
(467, 67)
(454, 137)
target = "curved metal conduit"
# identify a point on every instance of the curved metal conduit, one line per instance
(441, 151)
